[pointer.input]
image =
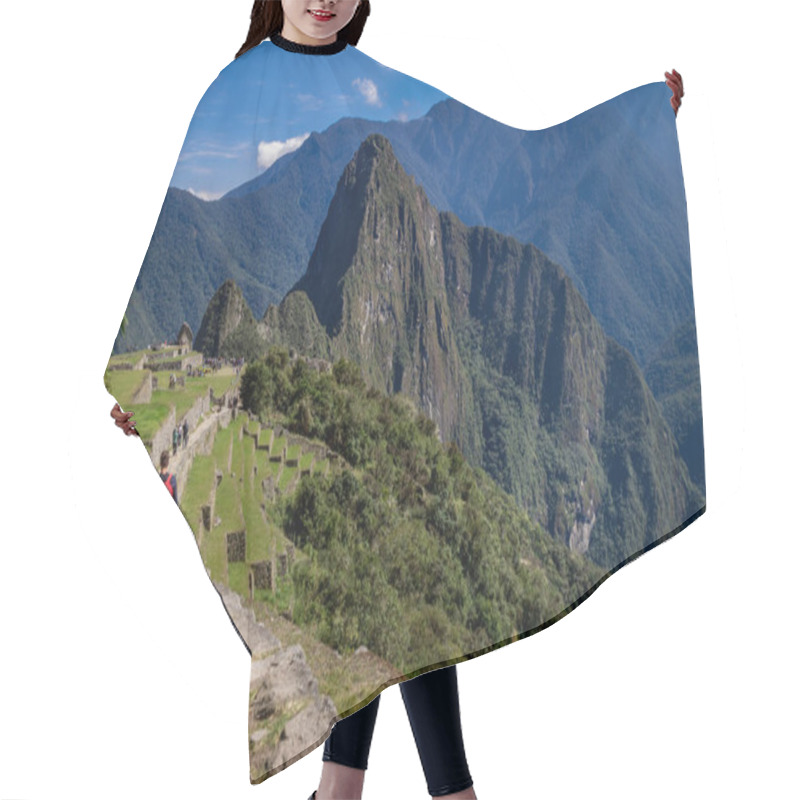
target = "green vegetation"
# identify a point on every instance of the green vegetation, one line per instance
(238, 578)
(258, 540)
(124, 383)
(126, 358)
(408, 550)
(264, 437)
(278, 443)
(674, 377)
(287, 476)
(149, 417)
(198, 488)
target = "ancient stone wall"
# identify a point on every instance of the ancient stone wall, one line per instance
(319, 450)
(237, 546)
(127, 365)
(200, 406)
(162, 440)
(145, 390)
(262, 575)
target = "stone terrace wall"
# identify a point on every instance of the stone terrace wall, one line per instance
(145, 391)
(163, 439)
(200, 406)
(202, 445)
(126, 365)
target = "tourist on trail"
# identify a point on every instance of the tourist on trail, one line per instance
(169, 479)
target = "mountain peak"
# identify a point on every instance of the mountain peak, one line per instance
(372, 189)
(374, 161)
(227, 315)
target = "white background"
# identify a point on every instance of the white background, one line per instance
(120, 674)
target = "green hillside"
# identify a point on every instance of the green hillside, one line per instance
(404, 547)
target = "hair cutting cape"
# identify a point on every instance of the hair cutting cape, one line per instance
(424, 380)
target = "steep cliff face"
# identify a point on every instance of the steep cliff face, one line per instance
(674, 377)
(569, 424)
(492, 341)
(377, 281)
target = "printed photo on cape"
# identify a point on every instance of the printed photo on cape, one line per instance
(426, 379)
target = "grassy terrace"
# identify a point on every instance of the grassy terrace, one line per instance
(265, 437)
(123, 384)
(198, 489)
(277, 445)
(238, 503)
(321, 466)
(226, 506)
(288, 474)
(126, 358)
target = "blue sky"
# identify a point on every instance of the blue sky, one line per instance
(266, 103)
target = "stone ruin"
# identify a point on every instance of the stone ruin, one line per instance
(261, 575)
(237, 547)
(269, 487)
(185, 338)
(318, 364)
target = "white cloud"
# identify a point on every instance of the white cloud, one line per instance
(270, 152)
(203, 195)
(369, 91)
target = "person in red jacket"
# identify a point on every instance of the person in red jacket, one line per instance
(170, 481)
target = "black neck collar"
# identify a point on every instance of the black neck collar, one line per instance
(311, 49)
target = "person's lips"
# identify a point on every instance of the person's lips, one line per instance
(321, 15)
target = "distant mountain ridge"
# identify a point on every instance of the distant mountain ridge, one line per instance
(605, 206)
(492, 340)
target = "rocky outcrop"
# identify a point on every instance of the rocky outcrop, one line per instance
(288, 716)
(282, 685)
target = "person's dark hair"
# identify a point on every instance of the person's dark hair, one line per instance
(164, 459)
(266, 18)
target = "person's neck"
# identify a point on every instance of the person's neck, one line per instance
(279, 40)
(294, 34)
